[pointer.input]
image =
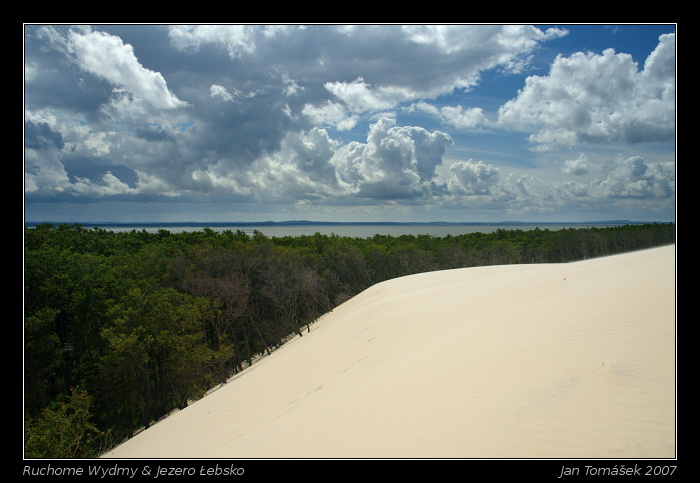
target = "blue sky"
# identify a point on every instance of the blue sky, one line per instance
(323, 122)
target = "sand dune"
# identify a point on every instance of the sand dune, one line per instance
(571, 360)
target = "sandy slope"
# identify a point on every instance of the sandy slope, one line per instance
(569, 360)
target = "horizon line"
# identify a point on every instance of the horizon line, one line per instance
(311, 222)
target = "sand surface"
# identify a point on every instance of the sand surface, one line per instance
(572, 360)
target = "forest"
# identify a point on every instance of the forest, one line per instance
(122, 328)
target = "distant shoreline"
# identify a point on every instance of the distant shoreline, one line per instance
(167, 224)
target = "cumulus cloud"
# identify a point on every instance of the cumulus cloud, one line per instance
(237, 40)
(395, 163)
(633, 178)
(44, 174)
(454, 116)
(464, 118)
(577, 167)
(603, 185)
(358, 96)
(300, 170)
(108, 57)
(109, 185)
(331, 114)
(474, 178)
(596, 98)
(220, 91)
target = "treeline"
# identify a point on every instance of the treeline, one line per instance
(123, 327)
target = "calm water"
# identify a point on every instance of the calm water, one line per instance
(355, 231)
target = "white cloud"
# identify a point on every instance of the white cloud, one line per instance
(454, 116)
(220, 91)
(359, 97)
(464, 118)
(592, 98)
(44, 174)
(395, 162)
(108, 57)
(494, 44)
(577, 167)
(331, 114)
(238, 40)
(633, 178)
(302, 167)
(473, 178)
(109, 185)
(617, 183)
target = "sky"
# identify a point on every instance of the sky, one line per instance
(336, 122)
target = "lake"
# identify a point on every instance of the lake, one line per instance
(355, 230)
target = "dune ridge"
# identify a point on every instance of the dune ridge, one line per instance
(573, 360)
